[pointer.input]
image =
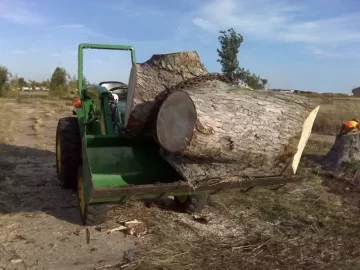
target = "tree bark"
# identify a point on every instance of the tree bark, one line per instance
(235, 134)
(346, 150)
(152, 77)
(209, 130)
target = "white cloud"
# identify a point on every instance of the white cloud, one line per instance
(18, 51)
(71, 26)
(206, 25)
(333, 53)
(280, 22)
(18, 11)
(23, 51)
(95, 61)
(132, 9)
(56, 54)
(81, 29)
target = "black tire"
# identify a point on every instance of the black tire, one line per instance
(91, 214)
(96, 214)
(69, 160)
(192, 203)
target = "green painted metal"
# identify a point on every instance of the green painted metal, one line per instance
(98, 112)
(111, 160)
(117, 166)
(140, 197)
(95, 46)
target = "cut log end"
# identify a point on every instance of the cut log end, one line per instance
(305, 135)
(176, 121)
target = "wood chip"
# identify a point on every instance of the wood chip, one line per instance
(202, 219)
(119, 228)
(133, 227)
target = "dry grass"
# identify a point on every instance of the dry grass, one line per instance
(297, 227)
(8, 123)
(310, 225)
(333, 113)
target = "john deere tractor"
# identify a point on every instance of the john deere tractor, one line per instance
(95, 158)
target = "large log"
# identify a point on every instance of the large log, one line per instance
(236, 134)
(211, 131)
(152, 77)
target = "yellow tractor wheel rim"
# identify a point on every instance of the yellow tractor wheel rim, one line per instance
(58, 154)
(81, 195)
(182, 198)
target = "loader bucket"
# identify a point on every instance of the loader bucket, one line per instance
(110, 163)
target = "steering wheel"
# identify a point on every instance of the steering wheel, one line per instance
(121, 94)
(118, 88)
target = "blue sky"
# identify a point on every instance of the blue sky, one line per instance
(308, 45)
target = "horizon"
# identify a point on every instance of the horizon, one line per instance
(308, 46)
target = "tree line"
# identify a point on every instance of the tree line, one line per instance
(62, 84)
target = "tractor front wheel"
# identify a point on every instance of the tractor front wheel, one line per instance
(68, 151)
(91, 214)
(192, 203)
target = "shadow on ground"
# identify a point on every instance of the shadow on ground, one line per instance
(28, 183)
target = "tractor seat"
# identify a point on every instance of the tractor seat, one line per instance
(115, 87)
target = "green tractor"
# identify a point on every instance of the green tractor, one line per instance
(95, 158)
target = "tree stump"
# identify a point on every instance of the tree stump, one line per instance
(346, 149)
(344, 158)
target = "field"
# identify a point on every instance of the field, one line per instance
(309, 225)
(333, 112)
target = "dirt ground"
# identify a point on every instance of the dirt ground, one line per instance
(309, 225)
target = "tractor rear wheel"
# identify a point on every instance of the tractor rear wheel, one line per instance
(68, 151)
(91, 214)
(192, 203)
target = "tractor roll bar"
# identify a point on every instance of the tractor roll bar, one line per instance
(83, 46)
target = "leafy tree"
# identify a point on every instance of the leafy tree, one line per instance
(252, 80)
(264, 81)
(14, 83)
(4, 79)
(4, 76)
(230, 43)
(32, 84)
(22, 83)
(85, 82)
(73, 84)
(58, 82)
(45, 84)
